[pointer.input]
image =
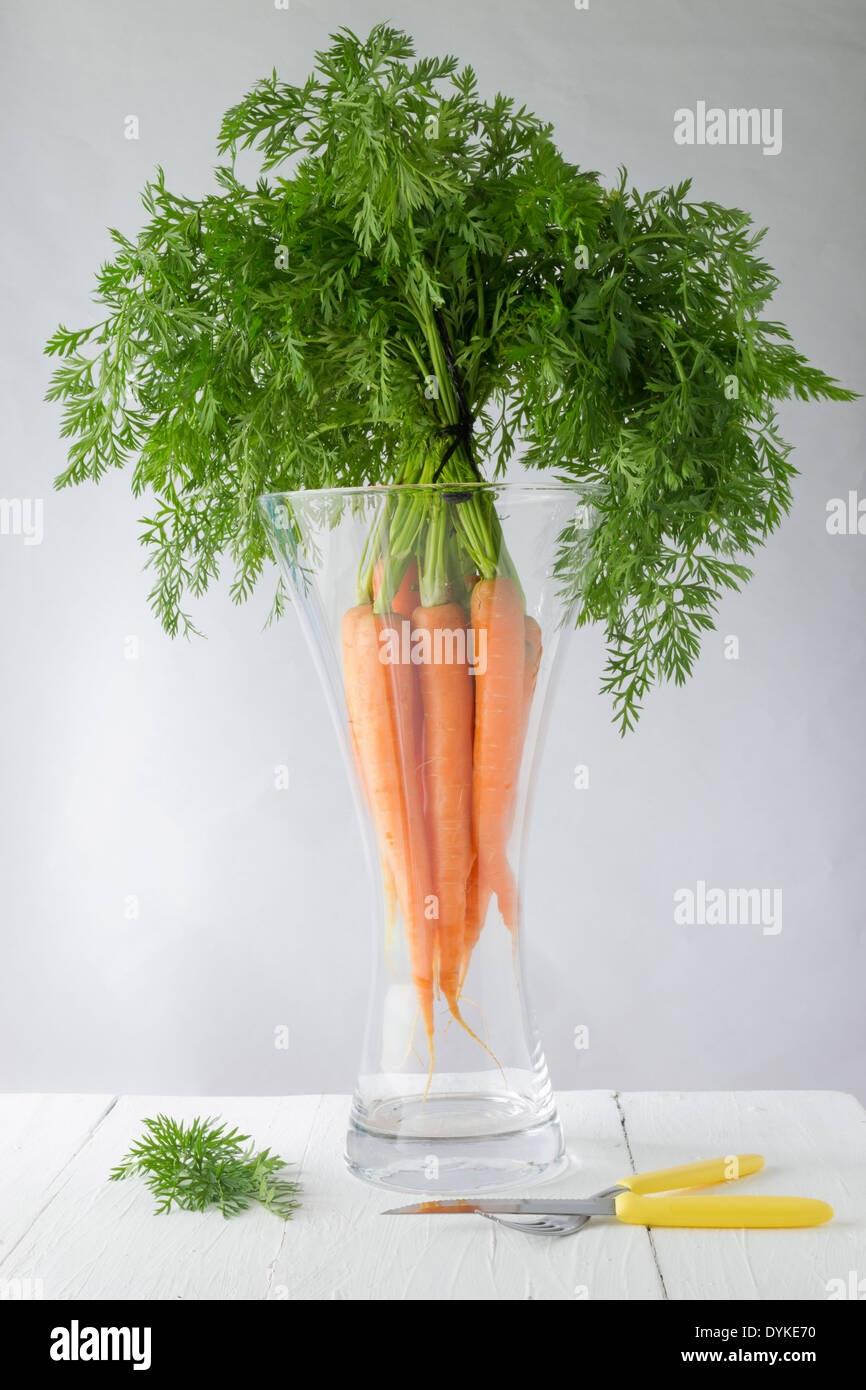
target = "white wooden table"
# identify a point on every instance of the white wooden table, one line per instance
(72, 1234)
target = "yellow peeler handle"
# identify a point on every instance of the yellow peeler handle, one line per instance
(709, 1170)
(721, 1211)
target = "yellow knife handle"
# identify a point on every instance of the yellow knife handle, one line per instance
(721, 1211)
(709, 1170)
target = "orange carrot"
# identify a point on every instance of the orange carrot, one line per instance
(477, 903)
(500, 641)
(447, 697)
(403, 603)
(406, 597)
(389, 891)
(479, 889)
(379, 701)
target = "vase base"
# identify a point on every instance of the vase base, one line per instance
(454, 1145)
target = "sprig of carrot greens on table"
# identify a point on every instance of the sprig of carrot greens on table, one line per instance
(417, 281)
(203, 1164)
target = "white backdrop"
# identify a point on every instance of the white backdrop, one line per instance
(165, 907)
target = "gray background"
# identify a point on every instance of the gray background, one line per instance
(154, 776)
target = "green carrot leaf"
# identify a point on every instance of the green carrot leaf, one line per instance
(413, 260)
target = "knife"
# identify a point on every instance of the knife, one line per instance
(628, 1200)
(755, 1212)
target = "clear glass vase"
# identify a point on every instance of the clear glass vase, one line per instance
(434, 616)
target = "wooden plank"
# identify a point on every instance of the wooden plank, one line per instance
(814, 1143)
(341, 1247)
(63, 1223)
(96, 1239)
(39, 1136)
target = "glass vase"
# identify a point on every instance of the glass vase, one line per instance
(434, 615)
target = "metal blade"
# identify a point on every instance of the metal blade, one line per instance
(448, 1208)
(520, 1206)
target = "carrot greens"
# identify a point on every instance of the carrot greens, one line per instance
(202, 1164)
(417, 285)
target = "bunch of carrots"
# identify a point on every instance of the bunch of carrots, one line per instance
(438, 747)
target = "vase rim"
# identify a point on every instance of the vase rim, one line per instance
(372, 489)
